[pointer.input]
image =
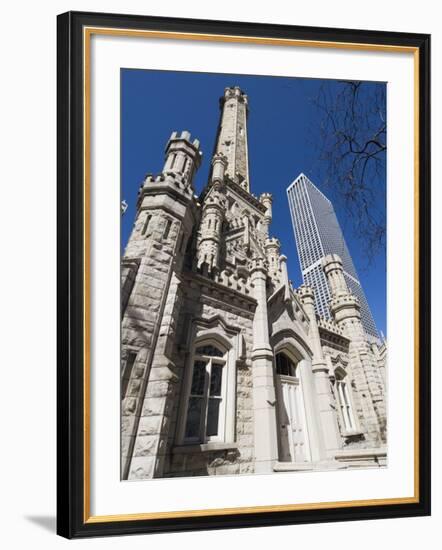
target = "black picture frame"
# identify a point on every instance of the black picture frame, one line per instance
(72, 520)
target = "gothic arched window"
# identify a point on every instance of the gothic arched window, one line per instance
(343, 397)
(206, 402)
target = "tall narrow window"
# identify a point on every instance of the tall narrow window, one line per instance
(130, 360)
(206, 400)
(345, 405)
(146, 224)
(186, 162)
(167, 229)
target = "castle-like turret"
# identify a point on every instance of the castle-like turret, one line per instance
(183, 156)
(272, 248)
(266, 200)
(344, 306)
(213, 210)
(166, 215)
(346, 311)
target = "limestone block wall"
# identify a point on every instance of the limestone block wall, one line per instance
(199, 304)
(139, 330)
(129, 269)
(241, 141)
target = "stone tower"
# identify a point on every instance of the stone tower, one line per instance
(165, 217)
(232, 135)
(346, 311)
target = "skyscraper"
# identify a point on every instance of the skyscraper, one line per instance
(318, 233)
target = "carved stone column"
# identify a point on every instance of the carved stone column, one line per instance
(264, 395)
(330, 430)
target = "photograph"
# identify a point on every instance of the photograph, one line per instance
(228, 221)
(253, 274)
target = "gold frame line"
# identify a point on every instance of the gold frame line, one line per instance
(87, 33)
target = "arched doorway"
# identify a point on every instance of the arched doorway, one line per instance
(294, 443)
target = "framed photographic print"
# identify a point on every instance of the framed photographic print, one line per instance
(243, 274)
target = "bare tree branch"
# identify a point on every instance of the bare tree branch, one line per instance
(352, 151)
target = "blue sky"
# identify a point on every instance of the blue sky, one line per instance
(283, 132)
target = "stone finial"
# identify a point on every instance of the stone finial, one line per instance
(285, 276)
(272, 243)
(306, 293)
(266, 200)
(219, 165)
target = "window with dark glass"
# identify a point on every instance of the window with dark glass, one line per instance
(167, 229)
(205, 406)
(130, 360)
(146, 224)
(284, 366)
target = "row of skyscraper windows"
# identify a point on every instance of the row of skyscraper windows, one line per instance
(328, 226)
(309, 246)
(317, 281)
(318, 233)
(312, 248)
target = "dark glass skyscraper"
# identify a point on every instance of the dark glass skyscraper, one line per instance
(318, 233)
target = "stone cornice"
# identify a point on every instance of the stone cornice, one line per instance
(165, 188)
(251, 199)
(247, 302)
(236, 188)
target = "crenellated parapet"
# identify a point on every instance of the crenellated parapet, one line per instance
(330, 326)
(234, 281)
(273, 245)
(177, 183)
(346, 307)
(258, 264)
(182, 160)
(236, 93)
(182, 155)
(306, 294)
(166, 204)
